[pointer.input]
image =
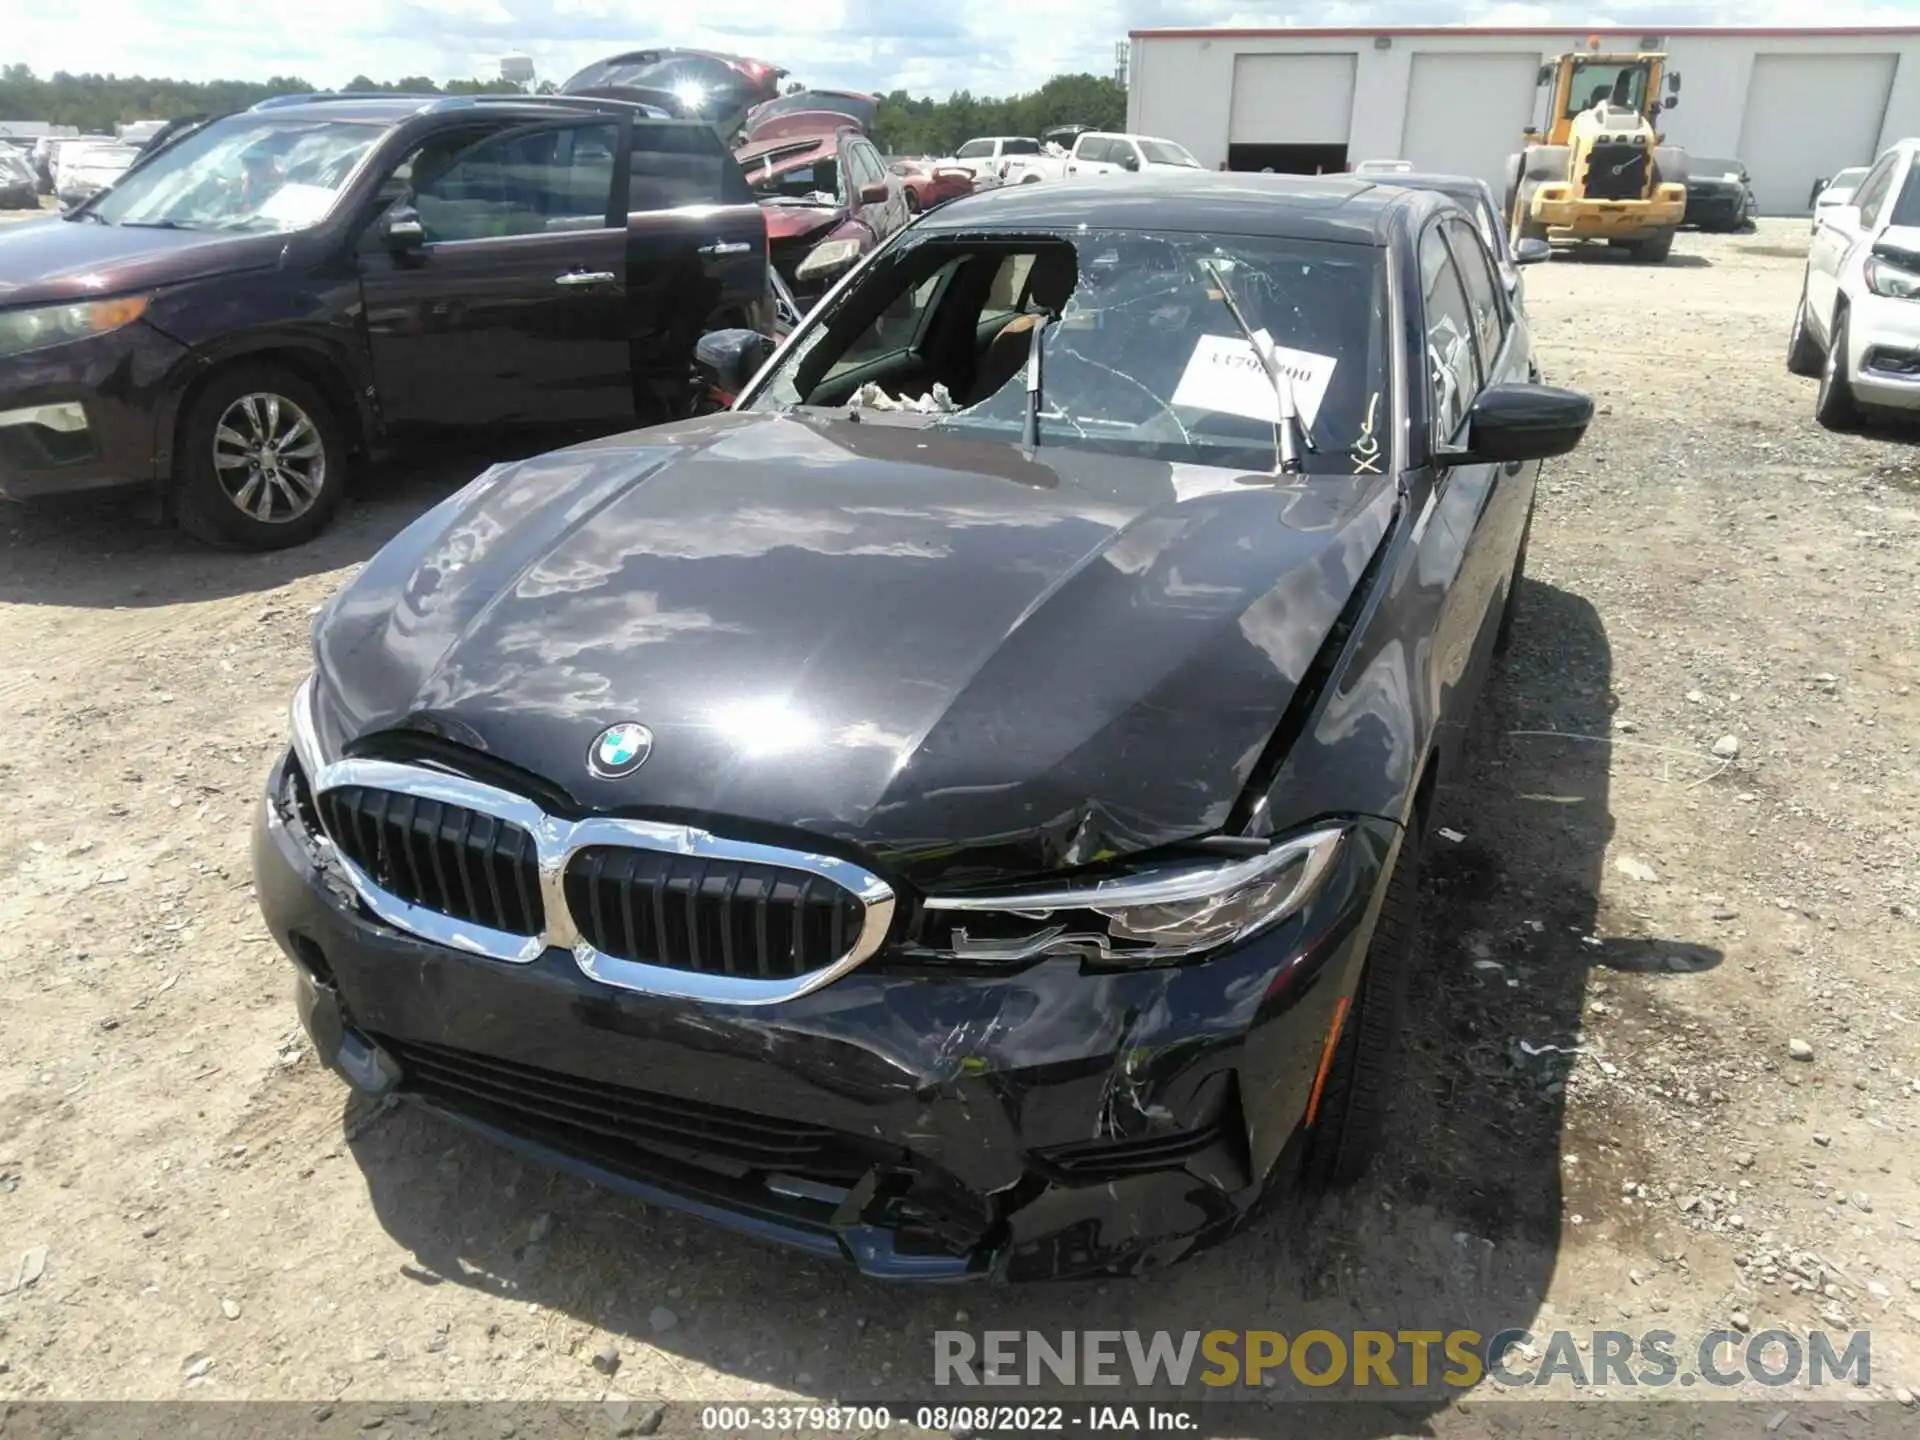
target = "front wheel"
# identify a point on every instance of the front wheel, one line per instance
(262, 461)
(1835, 406)
(1803, 355)
(1655, 249)
(1358, 1089)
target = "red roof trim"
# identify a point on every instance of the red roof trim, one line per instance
(1825, 32)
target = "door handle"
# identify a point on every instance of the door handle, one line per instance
(726, 247)
(586, 277)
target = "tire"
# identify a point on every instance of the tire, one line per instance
(1504, 636)
(1803, 354)
(1653, 251)
(1366, 1059)
(1670, 165)
(1835, 407)
(294, 496)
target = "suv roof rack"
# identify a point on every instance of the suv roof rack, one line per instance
(471, 102)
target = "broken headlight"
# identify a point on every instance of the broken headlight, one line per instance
(1168, 910)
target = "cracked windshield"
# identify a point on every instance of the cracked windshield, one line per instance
(1139, 351)
(248, 173)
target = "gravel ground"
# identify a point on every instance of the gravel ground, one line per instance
(1688, 854)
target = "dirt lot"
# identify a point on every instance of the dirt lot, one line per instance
(190, 1207)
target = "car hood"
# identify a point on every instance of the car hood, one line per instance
(796, 222)
(924, 650)
(78, 259)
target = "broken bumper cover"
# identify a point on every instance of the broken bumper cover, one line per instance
(1040, 1122)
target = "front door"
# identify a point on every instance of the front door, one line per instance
(513, 309)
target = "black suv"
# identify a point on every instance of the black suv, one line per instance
(277, 292)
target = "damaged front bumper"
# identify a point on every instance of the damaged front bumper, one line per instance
(1044, 1121)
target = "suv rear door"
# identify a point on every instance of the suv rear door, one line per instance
(696, 255)
(512, 307)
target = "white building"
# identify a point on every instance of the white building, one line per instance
(1795, 104)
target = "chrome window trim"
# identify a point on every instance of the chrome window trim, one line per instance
(556, 841)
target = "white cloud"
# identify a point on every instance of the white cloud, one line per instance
(986, 46)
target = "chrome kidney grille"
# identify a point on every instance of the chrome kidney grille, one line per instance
(664, 909)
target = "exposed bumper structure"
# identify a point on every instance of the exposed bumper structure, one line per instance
(1016, 1123)
(86, 415)
(1568, 217)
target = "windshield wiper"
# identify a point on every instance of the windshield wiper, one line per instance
(156, 225)
(1030, 435)
(1290, 432)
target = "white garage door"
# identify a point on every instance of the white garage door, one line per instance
(1291, 99)
(1808, 116)
(1465, 113)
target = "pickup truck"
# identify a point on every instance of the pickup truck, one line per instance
(1099, 152)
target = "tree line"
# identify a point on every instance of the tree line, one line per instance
(903, 124)
(96, 104)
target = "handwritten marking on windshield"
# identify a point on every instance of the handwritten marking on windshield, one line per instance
(1366, 450)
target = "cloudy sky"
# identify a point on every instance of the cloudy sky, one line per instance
(925, 46)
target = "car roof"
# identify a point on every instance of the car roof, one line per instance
(1299, 207)
(1454, 185)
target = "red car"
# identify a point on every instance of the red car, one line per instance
(828, 200)
(929, 184)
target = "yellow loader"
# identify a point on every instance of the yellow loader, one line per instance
(1596, 169)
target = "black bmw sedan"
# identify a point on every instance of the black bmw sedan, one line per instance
(960, 809)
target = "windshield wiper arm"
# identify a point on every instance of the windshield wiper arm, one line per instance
(1030, 435)
(1290, 432)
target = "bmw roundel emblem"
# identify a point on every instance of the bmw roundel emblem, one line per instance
(620, 750)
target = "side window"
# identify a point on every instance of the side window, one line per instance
(1021, 146)
(1092, 148)
(1483, 294)
(1906, 210)
(894, 328)
(1873, 190)
(872, 171)
(426, 160)
(526, 182)
(676, 164)
(1453, 374)
(974, 150)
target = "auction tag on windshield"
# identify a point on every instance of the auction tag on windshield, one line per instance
(1225, 375)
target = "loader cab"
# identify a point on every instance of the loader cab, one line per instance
(1572, 84)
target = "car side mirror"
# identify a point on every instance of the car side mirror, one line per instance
(1673, 103)
(1510, 423)
(1531, 251)
(1673, 82)
(727, 359)
(1129, 162)
(874, 194)
(403, 230)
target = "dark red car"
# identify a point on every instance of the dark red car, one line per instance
(928, 183)
(828, 200)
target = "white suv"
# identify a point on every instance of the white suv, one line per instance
(988, 156)
(1858, 325)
